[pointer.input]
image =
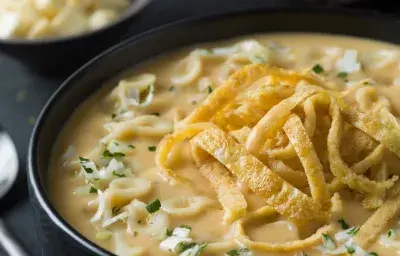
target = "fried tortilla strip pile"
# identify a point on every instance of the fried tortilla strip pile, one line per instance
(282, 196)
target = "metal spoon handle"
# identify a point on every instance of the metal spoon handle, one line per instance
(8, 243)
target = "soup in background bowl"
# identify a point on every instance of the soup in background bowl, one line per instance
(275, 144)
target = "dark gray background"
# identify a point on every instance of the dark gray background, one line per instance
(22, 93)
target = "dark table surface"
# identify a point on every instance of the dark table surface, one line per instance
(22, 95)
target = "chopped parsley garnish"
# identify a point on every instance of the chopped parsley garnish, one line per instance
(353, 231)
(139, 222)
(237, 252)
(342, 75)
(171, 89)
(350, 249)
(366, 82)
(152, 148)
(182, 246)
(328, 242)
(153, 206)
(168, 232)
(318, 69)
(343, 223)
(108, 154)
(131, 146)
(113, 115)
(185, 226)
(84, 162)
(390, 233)
(121, 175)
(135, 233)
(93, 190)
(209, 89)
(259, 59)
(155, 114)
(372, 254)
(115, 209)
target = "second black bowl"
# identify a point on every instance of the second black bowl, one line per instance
(62, 55)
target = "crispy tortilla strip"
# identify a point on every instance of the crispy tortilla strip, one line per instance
(375, 225)
(282, 196)
(312, 166)
(238, 82)
(169, 142)
(276, 118)
(229, 194)
(379, 172)
(382, 127)
(374, 158)
(296, 178)
(338, 166)
(291, 246)
(310, 120)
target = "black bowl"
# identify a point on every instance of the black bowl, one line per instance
(62, 55)
(56, 234)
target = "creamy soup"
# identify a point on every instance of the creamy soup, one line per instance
(279, 144)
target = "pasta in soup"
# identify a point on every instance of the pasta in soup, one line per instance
(280, 144)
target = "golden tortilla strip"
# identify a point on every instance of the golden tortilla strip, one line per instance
(312, 166)
(166, 145)
(276, 118)
(238, 82)
(384, 128)
(375, 225)
(229, 194)
(374, 158)
(339, 168)
(282, 196)
(296, 178)
(292, 246)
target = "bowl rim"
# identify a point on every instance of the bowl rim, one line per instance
(33, 175)
(134, 8)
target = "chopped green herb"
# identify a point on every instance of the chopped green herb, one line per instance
(135, 233)
(93, 190)
(116, 143)
(113, 115)
(343, 223)
(139, 222)
(372, 254)
(182, 246)
(185, 226)
(84, 162)
(237, 252)
(115, 209)
(121, 175)
(366, 82)
(353, 231)
(155, 114)
(342, 75)
(108, 154)
(171, 89)
(259, 59)
(328, 242)
(390, 233)
(131, 146)
(154, 206)
(168, 232)
(318, 69)
(209, 51)
(350, 249)
(152, 148)
(209, 89)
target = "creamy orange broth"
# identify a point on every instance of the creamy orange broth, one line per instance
(85, 129)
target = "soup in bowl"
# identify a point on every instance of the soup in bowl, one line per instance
(275, 144)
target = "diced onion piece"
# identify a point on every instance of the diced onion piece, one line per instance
(114, 219)
(349, 62)
(186, 205)
(170, 243)
(102, 204)
(181, 232)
